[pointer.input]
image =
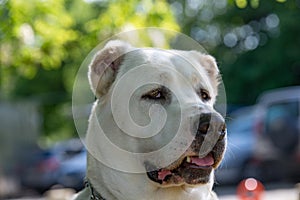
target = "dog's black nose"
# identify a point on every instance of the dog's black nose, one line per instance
(211, 122)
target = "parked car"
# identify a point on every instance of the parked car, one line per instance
(240, 146)
(277, 150)
(72, 163)
(63, 164)
(39, 170)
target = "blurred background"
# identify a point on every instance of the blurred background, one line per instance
(43, 43)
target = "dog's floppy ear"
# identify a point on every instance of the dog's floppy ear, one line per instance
(210, 65)
(105, 64)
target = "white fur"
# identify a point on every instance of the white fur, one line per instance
(118, 185)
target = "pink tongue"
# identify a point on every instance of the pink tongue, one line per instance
(203, 162)
(163, 173)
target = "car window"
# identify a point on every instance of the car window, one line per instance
(241, 124)
(281, 111)
(282, 126)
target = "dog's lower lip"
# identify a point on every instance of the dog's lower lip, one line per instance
(190, 164)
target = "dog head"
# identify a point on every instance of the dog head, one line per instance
(157, 103)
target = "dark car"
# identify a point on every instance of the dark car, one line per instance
(240, 146)
(72, 168)
(39, 170)
(64, 164)
(277, 150)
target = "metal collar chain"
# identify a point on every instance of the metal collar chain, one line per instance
(94, 194)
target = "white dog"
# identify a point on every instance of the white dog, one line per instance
(171, 142)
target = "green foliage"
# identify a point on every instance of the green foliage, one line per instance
(255, 42)
(43, 43)
(38, 31)
(274, 63)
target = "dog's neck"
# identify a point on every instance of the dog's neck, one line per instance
(94, 195)
(109, 184)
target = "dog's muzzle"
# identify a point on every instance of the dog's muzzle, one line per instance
(204, 154)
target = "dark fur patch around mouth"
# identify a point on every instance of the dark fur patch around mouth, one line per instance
(187, 172)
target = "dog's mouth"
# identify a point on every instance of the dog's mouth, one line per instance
(191, 170)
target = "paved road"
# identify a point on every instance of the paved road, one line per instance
(273, 194)
(280, 194)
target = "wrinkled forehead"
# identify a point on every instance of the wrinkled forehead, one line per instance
(169, 66)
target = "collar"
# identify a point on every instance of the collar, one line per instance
(94, 194)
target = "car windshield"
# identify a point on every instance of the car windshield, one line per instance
(240, 123)
(276, 111)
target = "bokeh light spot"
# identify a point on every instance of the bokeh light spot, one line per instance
(251, 184)
(272, 21)
(230, 39)
(241, 3)
(281, 1)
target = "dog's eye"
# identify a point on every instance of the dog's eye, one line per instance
(204, 95)
(156, 94)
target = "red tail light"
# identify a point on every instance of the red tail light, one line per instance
(258, 127)
(50, 164)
